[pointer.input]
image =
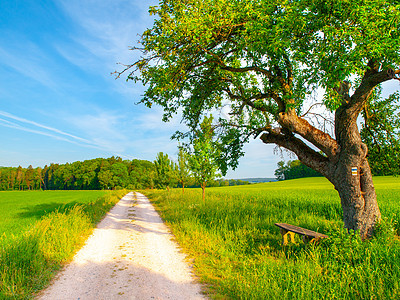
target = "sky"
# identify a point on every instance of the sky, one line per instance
(59, 101)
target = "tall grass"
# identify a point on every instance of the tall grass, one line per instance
(19, 210)
(237, 249)
(29, 260)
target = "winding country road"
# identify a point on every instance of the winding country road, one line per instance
(130, 255)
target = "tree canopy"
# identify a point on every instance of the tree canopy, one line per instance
(164, 170)
(266, 57)
(99, 173)
(182, 170)
(258, 62)
(381, 133)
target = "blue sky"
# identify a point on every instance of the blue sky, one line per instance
(58, 100)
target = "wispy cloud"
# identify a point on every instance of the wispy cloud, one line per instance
(13, 117)
(9, 124)
(48, 131)
(108, 28)
(31, 63)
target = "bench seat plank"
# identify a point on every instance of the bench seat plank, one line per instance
(301, 231)
(288, 230)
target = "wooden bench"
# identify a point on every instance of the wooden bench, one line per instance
(288, 230)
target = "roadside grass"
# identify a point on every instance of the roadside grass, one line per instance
(29, 206)
(30, 257)
(237, 249)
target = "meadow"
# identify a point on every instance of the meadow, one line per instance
(29, 206)
(41, 231)
(236, 248)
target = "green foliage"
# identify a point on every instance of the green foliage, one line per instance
(165, 171)
(255, 59)
(91, 174)
(381, 133)
(202, 160)
(182, 169)
(142, 174)
(30, 259)
(238, 252)
(294, 169)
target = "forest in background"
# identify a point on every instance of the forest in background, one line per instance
(94, 174)
(100, 173)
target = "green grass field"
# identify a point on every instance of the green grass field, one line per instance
(40, 231)
(237, 249)
(20, 210)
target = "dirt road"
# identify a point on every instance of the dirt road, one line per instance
(130, 255)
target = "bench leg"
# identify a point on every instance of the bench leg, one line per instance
(285, 235)
(307, 239)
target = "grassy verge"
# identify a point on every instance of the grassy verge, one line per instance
(29, 260)
(19, 210)
(237, 249)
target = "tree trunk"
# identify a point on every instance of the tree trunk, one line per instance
(352, 177)
(203, 187)
(356, 190)
(358, 198)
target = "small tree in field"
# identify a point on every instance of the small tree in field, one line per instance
(202, 160)
(164, 171)
(182, 170)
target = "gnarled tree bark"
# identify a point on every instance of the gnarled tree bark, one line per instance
(344, 162)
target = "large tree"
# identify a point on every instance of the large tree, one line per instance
(260, 61)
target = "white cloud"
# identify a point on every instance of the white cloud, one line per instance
(101, 130)
(110, 28)
(105, 129)
(6, 123)
(10, 116)
(31, 63)
(389, 87)
(107, 30)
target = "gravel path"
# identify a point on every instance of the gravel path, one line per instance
(130, 255)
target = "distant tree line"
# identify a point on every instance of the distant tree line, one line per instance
(294, 169)
(94, 174)
(221, 182)
(105, 173)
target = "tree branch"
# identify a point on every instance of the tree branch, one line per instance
(346, 115)
(248, 100)
(247, 69)
(370, 80)
(307, 156)
(309, 109)
(318, 138)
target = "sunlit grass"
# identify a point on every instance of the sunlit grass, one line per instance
(29, 206)
(29, 259)
(237, 249)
